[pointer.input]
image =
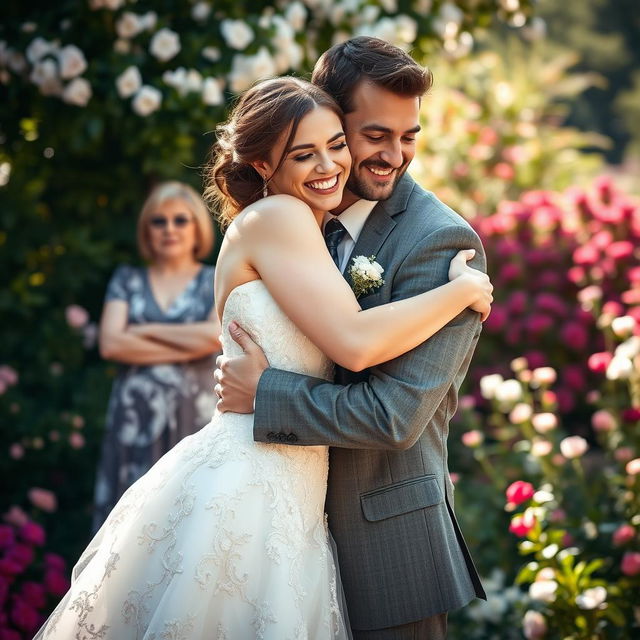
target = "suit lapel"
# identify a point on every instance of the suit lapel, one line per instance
(380, 222)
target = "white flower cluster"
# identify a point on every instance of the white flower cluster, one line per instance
(55, 70)
(500, 600)
(366, 275)
(191, 81)
(622, 365)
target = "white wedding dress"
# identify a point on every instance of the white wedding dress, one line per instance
(224, 538)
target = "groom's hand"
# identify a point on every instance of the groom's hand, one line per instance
(237, 377)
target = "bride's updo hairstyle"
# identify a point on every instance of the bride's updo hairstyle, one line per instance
(265, 112)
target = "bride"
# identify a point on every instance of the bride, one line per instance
(226, 537)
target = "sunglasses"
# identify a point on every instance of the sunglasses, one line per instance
(161, 222)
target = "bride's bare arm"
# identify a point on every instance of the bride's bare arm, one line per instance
(284, 245)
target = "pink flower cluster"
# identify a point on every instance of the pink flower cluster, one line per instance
(555, 260)
(8, 377)
(25, 601)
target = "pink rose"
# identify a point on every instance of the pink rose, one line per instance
(56, 583)
(76, 316)
(15, 516)
(623, 534)
(630, 564)
(8, 375)
(613, 308)
(522, 523)
(33, 533)
(598, 362)
(538, 323)
(623, 454)
(573, 447)
(620, 250)
(633, 467)
(503, 171)
(603, 421)
(16, 451)
(76, 440)
(10, 567)
(497, 320)
(519, 491)
(541, 448)
(43, 499)
(472, 438)
(587, 254)
(520, 413)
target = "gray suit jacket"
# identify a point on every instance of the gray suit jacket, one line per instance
(402, 555)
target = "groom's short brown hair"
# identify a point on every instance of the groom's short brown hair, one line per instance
(342, 67)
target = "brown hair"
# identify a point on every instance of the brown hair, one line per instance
(258, 120)
(342, 67)
(174, 190)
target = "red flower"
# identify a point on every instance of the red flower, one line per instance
(32, 532)
(54, 561)
(6, 536)
(34, 594)
(574, 335)
(630, 564)
(24, 616)
(21, 554)
(56, 583)
(623, 534)
(631, 415)
(519, 491)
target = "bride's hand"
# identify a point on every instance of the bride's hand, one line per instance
(481, 285)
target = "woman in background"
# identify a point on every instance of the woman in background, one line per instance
(159, 323)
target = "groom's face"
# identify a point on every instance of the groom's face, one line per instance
(381, 133)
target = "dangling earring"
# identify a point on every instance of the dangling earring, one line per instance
(265, 191)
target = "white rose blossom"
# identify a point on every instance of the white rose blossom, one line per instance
(38, 48)
(72, 62)
(200, 11)
(620, 368)
(245, 70)
(236, 33)
(296, 15)
(543, 590)
(573, 447)
(212, 92)
(149, 20)
(489, 384)
(211, 53)
(77, 92)
(45, 75)
(129, 25)
(165, 44)
(147, 100)
(592, 598)
(509, 392)
(129, 82)
(176, 79)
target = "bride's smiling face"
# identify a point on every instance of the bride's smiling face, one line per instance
(316, 166)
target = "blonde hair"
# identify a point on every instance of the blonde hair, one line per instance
(174, 190)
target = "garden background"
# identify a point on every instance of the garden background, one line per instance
(531, 132)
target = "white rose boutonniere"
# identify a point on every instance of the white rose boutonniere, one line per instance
(366, 275)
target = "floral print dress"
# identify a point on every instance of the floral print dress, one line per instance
(152, 407)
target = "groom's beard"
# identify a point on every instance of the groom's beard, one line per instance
(363, 186)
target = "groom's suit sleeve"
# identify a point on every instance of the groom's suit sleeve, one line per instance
(394, 404)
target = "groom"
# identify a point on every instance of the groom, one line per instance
(403, 560)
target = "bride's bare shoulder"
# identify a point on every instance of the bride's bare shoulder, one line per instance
(272, 210)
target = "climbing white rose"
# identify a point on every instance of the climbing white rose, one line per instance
(236, 33)
(147, 100)
(212, 92)
(72, 62)
(129, 25)
(128, 82)
(165, 44)
(77, 92)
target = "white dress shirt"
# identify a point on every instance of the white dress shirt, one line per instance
(352, 219)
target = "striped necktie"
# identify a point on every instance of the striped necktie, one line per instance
(333, 233)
